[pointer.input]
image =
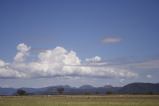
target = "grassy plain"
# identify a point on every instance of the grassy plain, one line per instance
(66, 100)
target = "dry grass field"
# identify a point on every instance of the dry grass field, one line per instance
(112, 100)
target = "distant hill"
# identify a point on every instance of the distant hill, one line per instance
(7, 91)
(133, 88)
(86, 87)
(140, 88)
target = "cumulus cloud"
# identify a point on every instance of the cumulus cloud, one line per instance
(97, 60)
(2, 63)
(23, 51)
(57, 62)
(7, 72)
(93, 59)
(111, 40)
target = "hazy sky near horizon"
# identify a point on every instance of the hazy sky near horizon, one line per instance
(76, 42)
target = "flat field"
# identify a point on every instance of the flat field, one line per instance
(66, 100)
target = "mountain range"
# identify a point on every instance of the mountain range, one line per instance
(132, 88)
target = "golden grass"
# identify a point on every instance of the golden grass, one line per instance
(66, 100)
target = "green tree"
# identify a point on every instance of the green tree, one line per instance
(21, 92)
(60, 90)
(109, 92)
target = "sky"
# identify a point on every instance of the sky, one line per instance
(78, 42)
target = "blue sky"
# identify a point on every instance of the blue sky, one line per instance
(123, 32)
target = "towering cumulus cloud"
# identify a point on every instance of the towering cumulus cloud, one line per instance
(22, 52)
(57, 62)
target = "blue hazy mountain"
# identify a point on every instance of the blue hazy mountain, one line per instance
(133, 88)
(140, 88)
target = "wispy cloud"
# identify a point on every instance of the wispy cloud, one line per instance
(111, 40)
(140, 64)
(148, 64)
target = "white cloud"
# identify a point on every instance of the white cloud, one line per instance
(23, 51)
(57, 62)
(23, 48)
(149, 76)
(122, 80)
(2, 63)
(93, 59)
(111, 39)
(7, 72)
